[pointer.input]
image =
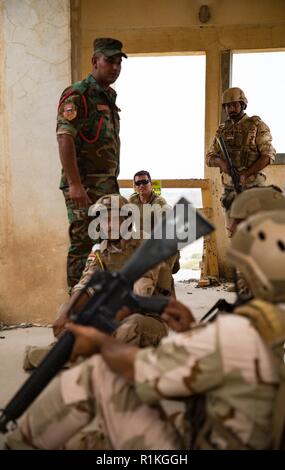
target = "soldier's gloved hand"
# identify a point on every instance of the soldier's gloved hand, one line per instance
(88, 340)
(79, 196)
(177, 316)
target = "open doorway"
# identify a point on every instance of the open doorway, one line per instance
(162, 102)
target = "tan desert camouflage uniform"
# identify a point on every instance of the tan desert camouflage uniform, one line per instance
(112, 255)
(232, 371)
(90, 115)
(164, 284)
(155, 199)
(143, 330)
(246, 141)
(239, 385)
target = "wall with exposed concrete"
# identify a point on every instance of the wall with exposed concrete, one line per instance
(34, 69)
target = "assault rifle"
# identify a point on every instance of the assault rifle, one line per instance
(234, 174)
(178, 228)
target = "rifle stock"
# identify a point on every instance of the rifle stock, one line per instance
(112, 290)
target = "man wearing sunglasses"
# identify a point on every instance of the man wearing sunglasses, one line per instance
(145, 195)
(150, 206)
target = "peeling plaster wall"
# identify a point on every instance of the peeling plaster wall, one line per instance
(34, 69)
(165, 27)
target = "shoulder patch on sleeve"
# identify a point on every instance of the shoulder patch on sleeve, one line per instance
(69, 111)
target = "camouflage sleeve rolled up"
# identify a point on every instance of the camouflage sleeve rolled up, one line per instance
(264, 141)
(181, 365)
(69, 114)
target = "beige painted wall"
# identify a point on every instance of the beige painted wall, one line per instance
(165, 26)
(34, 69)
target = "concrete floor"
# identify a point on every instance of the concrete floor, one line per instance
(13, 342)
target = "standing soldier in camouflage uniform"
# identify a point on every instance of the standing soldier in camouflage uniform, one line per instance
(89, 147)
(248, 141)
(151, 207)
(216, 386)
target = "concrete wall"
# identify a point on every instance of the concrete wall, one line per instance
(165, 26)
(34, 69)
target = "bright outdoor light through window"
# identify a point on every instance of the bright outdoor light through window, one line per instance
(162, 101)
(261, 76)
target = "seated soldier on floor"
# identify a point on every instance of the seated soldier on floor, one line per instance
(111, 254)
(151, 206)
(216, 386)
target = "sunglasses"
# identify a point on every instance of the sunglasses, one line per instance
(139, 182)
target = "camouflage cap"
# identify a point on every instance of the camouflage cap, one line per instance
(108, 47)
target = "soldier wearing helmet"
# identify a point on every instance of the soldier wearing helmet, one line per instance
(249, 143)
(229, 373)
(110, 254)
(254, 200)
(250, 202)
(258, 249)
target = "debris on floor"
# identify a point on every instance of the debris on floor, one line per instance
(4, 327)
